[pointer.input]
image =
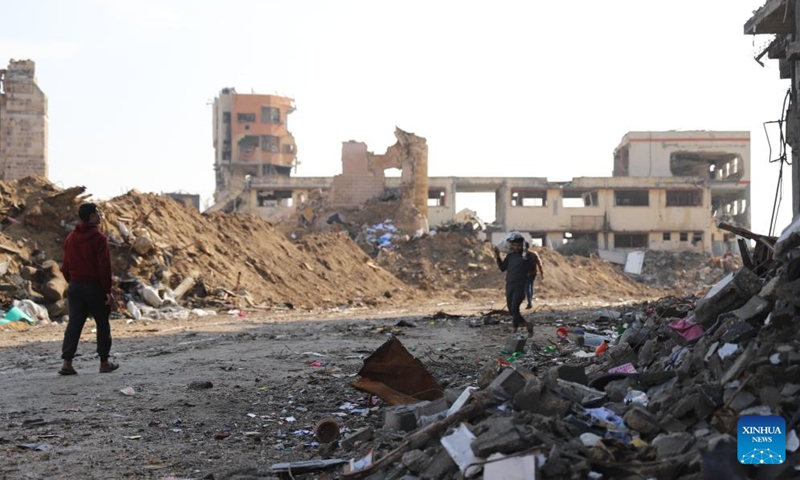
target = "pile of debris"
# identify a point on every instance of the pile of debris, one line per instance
(662, 399)
(686, 271)
(164, 253)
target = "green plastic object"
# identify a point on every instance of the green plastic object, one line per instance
(15, 315)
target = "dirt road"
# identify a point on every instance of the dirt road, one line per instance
(274, 375)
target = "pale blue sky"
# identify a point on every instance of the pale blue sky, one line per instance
(507, 88)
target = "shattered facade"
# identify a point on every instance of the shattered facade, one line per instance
(669, 190)
(252, 142)
(780, 18)
(23, 122)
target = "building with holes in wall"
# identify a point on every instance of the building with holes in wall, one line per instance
(668, 191)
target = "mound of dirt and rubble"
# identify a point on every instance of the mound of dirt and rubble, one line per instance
(232, 260)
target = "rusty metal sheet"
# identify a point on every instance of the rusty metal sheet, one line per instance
(399, 372)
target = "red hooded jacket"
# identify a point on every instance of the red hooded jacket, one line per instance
(87, 257)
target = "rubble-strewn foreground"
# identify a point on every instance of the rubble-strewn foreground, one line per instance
(240, 392)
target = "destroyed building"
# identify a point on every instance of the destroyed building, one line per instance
(669, 190)
(23, 122)
(252, 142)
(780, 19)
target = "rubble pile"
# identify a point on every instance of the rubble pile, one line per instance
(686, 271)
(660, 399)
(459, 260)
(163, 252)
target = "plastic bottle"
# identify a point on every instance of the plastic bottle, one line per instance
(602, 348)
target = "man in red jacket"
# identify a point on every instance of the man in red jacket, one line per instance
(87, 268)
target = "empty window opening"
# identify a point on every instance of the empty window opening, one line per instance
(529, 198)
(268, 198)
(631, 198)
(697, 237)
(270, 115)
(578, 199)
(538, 239)
(248, 145)
(245, 117)
(743, 203)
(226, 117)
(289, 148)
(666, 236)
(684, 237)
(712, 165)
(270, 143)
(630, 240)
(484, 203)
(436, 198)
(684, 198)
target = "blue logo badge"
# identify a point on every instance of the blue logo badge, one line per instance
(761, 440)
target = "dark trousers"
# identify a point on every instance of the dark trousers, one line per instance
(87, 299)
(529, 289)
(515, 294)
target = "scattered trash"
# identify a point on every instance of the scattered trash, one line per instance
(129, 391)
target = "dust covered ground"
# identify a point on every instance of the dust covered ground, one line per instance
(307, 307)
(266, 396)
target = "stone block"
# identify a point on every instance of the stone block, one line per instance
(741, 401)
(783, 314)
(754, 311)
(401, 417)
(672, 444)
(503, 436)
(642, 421)
(440, 466)
(670, 424)
(738, 331)
(728, 294)
(424, 409)
(507, 384)
(617, 389)
(534, 397)
(789, 292)
(360, 435)
(515, 344)
(415, 460)
(569, 373)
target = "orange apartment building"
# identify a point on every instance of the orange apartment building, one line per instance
(251, 142)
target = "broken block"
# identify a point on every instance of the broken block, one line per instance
(508, 383)
(754, 311)
(569, 373)
(642, 421)
(360, 435)
(415, 460)
(739, 331)
(672, 444)
(515, 344)
(440, 466)
(400, 417)
(514, 468)
(503, 436)
(730, 293)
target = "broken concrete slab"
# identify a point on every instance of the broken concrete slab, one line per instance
(581, 394)
(514, 468)
(642, 421)
(458, 445)
(440, 466)
(361, 435)
(504, 435)
(672, 444)
(415, 460)
(507, 384)
(570, 373)
(730, 293)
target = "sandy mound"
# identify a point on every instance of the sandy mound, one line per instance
(156, 239)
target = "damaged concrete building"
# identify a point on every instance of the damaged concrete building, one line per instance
(668, 191)
(781, 18)
(23, 122)
(252, 142)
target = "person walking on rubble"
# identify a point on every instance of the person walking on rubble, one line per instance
(517, 265)
(532, 276)
(87, 268)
